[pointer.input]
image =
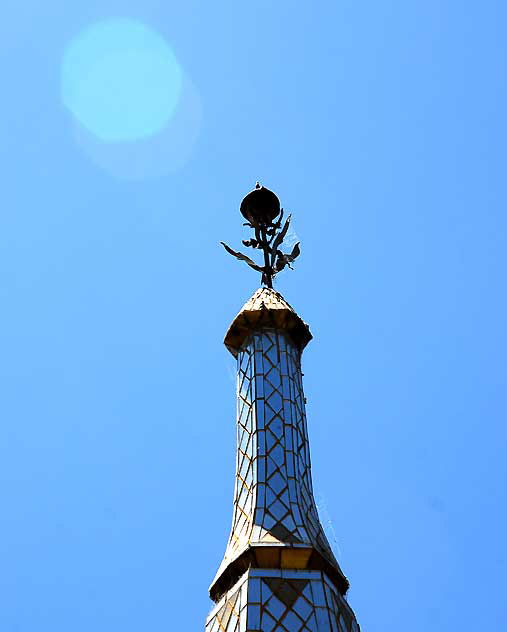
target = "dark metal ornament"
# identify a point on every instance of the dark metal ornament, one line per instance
(261, 207)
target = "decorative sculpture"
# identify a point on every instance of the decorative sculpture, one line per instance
(261, 207)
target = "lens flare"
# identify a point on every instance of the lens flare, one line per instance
(121, 80)
(153, 157)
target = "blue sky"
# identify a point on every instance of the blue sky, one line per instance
(381, 126)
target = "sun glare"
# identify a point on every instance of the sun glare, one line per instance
(121, 80)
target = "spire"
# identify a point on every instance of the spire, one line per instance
(278, 571)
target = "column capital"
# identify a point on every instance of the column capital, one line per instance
(266, 309)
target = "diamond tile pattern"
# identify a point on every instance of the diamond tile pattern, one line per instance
(273, 497)
(286, 600)
(278, 560)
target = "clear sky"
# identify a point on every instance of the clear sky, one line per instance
(130, 131)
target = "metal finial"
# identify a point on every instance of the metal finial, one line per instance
(261, 207)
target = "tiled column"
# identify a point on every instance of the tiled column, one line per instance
(269, 599)
(278, 565)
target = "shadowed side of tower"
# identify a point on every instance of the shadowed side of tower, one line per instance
(278, 572)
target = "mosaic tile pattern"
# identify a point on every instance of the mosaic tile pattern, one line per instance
(273, 497)
(286, 600)
(279, 572)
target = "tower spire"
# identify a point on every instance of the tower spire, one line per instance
(278, 572)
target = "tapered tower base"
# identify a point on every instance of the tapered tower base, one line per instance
(269, 599)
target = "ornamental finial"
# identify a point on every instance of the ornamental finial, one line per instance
(261, 209)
